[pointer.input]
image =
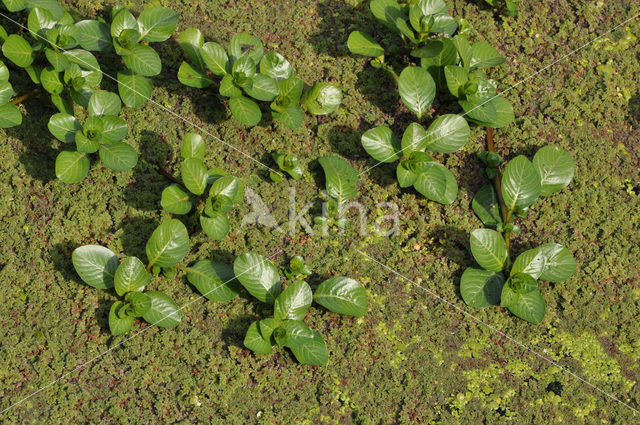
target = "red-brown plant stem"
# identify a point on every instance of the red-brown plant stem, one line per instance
(160, 170)
(497, 184)
(21, 99)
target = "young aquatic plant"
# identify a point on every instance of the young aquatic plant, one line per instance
(340, 182)
(225, 191)
(244, 74)
(425, 38)
(99, 267)
(129, 38)
(288, 163)
(515, 284)
(102, 132)
(260, 277)
(59, 59)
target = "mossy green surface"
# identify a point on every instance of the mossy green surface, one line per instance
(412, 359)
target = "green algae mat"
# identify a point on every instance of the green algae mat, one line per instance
(407, 349)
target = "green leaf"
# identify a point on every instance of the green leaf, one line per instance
(96, 265)
(275, 66)
(215, 226)
(520, 183)
(489, 249)
(555, 167)
(447, 134)
(192, 77)
(114, 129)
(406, 31)
(382, 144)
(163, 311)
(18, 51)
(312, 353)
(51, 82)
(441, 52)
(417, 89)
(228, 88)
(255, 342)
(191, 40)
(33, 73)
(134, 89)
(71, 166)
(139, 303)
(168, 244)
(194, 175)
(481, 288)
(52, 6)
(245, 44)
(245, 110)
(432, 7)
(340, 178)
(322, 99)
(263, 88)
(119, 324)
(228, 186)
(291, 117)
(387, 12)
(215, 281)
(215, 58)
(484, 56)
(193, 146)
(259, 276)
(93, 35)
(175, 200)
(437, 183)
(14, 5)
(456, 77)
(4, 72)
(131, 276)
(559, 263)
(62, 104)
(143, 60)
(529, 306)
(293, 302)
(244, 66)
(10, 115)
(413, 139)
(360, 43)
(103, 102)
(496, 113)
(39, 21)
(64, 127)
(123, 20)
(443, 24)
(295, 334)
(86, 61)
(465, 51)
(522, 283)
(118, 156)
(530, 262)
(486, 206)
(342, 295)
(157, 24)
(290, 90)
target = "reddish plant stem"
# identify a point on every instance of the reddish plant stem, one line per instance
(163, 172)
(497, 184)
(169, 176)
(21, 99)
